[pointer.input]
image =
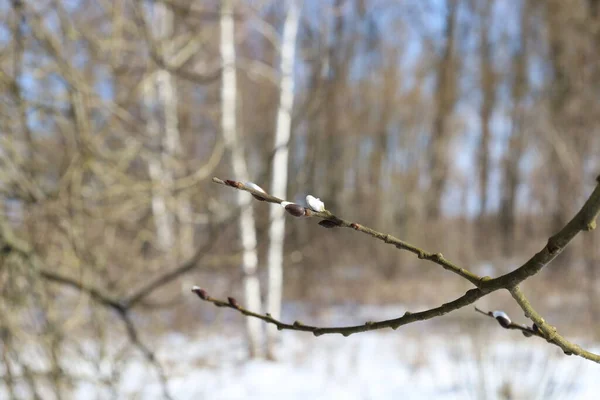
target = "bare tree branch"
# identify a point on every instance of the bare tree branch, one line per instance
(437, 258)
(549, 332)
(508, 324)
(584, 220)
(468, 298)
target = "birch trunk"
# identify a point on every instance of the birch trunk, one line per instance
(240, 171)
(162, 219)
(280, 171)
(168, 99)
(161, 92)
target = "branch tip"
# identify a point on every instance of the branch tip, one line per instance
(233, 302)
(200, 292)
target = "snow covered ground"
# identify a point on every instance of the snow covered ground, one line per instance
(382, 365)
(440, 359)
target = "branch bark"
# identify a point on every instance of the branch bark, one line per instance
(584, 220)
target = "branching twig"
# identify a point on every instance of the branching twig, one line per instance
(549, 332)
(584, 220)
(12, 243)
(134, 338)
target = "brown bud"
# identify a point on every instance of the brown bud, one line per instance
(527, 333)
(328, 224)
(231, 183)
(354, 226)
(295, 209)
(535, 328)
(200, 292)
(258, 197)
(233, 302)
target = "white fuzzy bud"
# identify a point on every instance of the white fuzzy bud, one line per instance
(502, 318)
(315, 203)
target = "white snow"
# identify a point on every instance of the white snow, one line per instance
(423, 361)
(378, 365)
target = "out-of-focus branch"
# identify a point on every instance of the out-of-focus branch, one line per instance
(134, 337)
(165, 64)
(168, 276)
(93, 292)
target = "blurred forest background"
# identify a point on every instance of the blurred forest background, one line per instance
(468, 127)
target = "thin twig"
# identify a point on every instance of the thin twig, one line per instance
(134, 338)
(468, 298)
(437, 258)
(527, 331)
(584, 220)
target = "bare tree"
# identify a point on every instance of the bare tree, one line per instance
(511, 174)
(488, 89)
(583, 221)
(238, 161)
(445, 99)
(280, 168)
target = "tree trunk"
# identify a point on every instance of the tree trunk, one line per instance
(159, 177)
(240, 170)
(516, 141)
(445, 101)
(168, 100)
(488, 89)
(280, 171)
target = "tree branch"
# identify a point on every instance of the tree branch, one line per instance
(549, 332)
(468, 298)
(508, 324)
(584, 220)
(437, 258)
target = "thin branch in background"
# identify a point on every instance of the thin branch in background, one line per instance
(122, 308)
(148, 354)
